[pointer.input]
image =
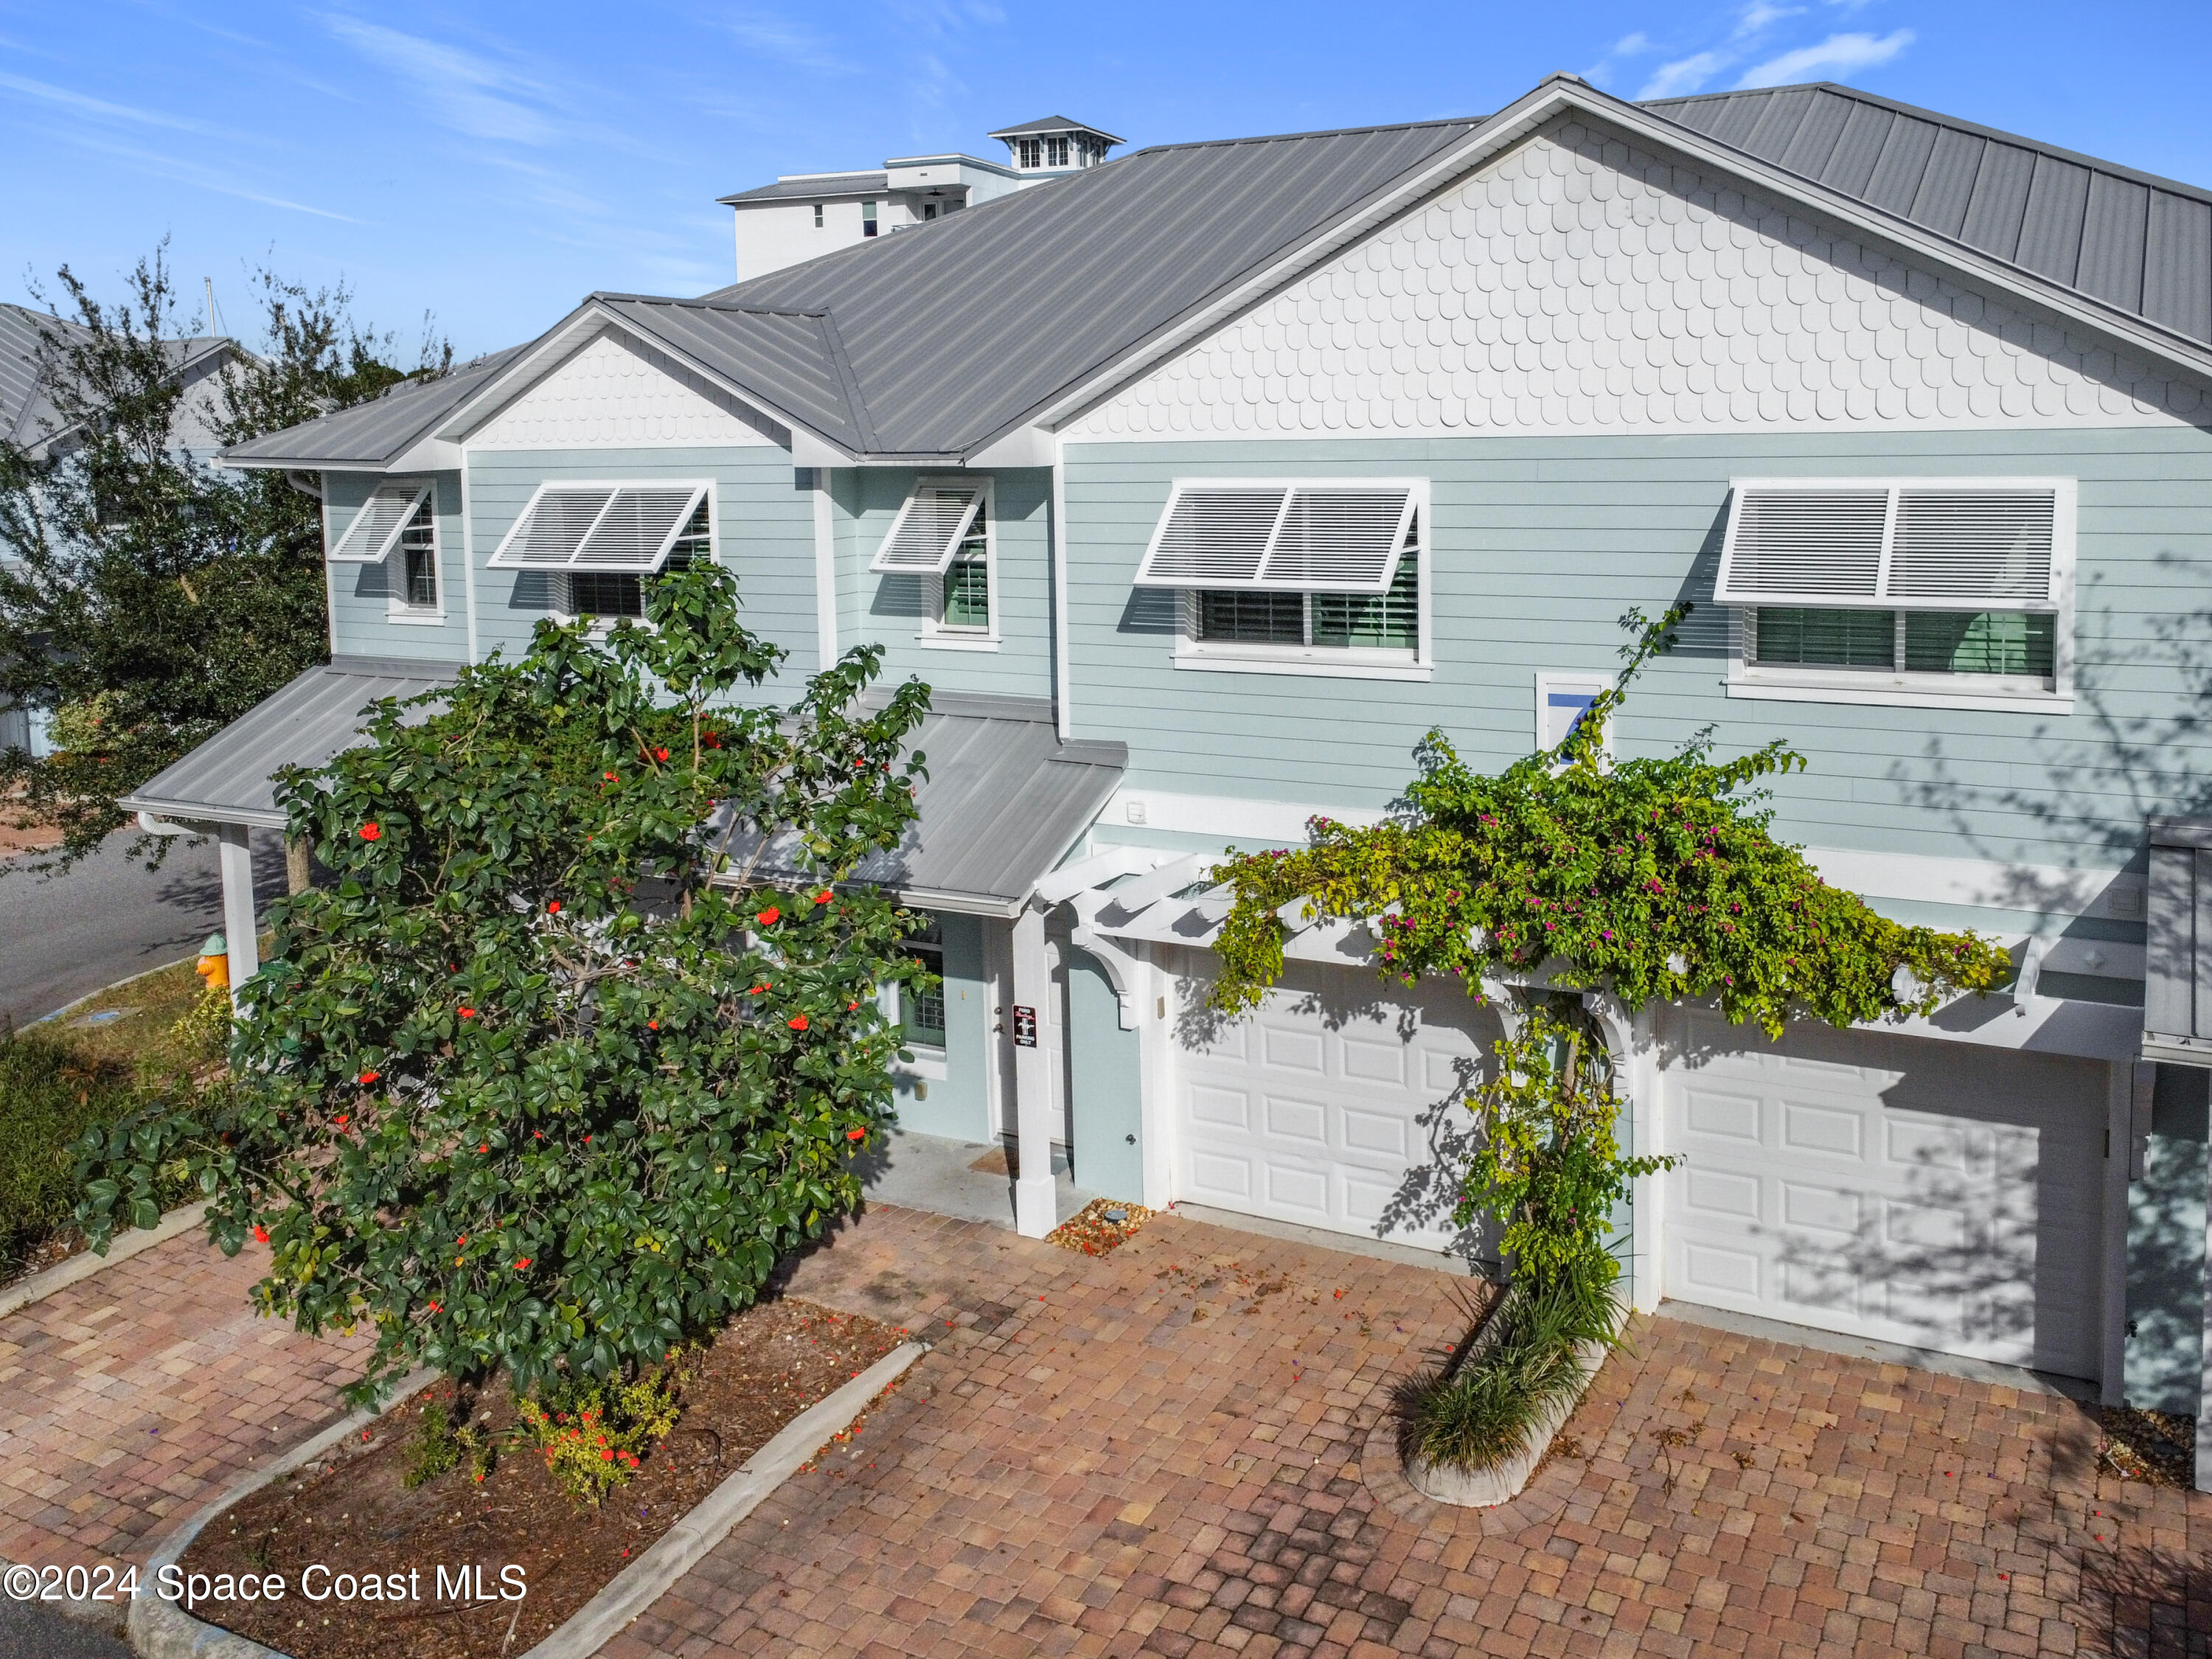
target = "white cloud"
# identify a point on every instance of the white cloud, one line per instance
(1683, 76)
(465, 90)
(1760, 15)
(792, 43)
(100, 107)
(1631, 45)
(1839, 54)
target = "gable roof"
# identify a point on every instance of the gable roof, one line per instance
(933, 346)
(373, 435)
(28, 415)
(2137, 242)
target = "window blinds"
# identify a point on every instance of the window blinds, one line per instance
(375, 528)
(934, 520)
(1917, 544)
(617, 529)
(1320, 536)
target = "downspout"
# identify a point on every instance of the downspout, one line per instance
(1063, 709)
(468, 557)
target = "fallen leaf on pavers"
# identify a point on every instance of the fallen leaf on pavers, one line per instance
(1101, 1225)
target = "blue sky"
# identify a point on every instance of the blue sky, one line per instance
(493, 163)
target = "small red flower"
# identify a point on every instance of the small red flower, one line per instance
(370, 832)
(822, 897)
(484, 1147)
(463, 1239)
(554, 908)
(370, 1077)
(797, 1022)
(652, 1025)
(609, 776)
(344, 1118)
(520, 1265)
(587, 1140)
(850, 1006)
(856, 1134)
(660, 754)
(769, 917)
(758, 989)
(437, 1307)
(468, 1013)
(260, 1234)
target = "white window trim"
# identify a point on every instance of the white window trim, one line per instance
(1341, 662)
(713, 527)
(396, 608)
(935, 635)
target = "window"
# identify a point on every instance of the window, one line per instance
(614, 595)
(1055, 148)
(818, 215)
(942, 535)
(1389, 622)
(922, 1013)
(867, 218)
(375, 528)
(964, 605)
(929, 210)
(1029, 152)
(613, 529)
(1902, 591)
(418, 553)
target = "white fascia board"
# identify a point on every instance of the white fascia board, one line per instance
(1024, 446)
(427, 455)
(1556, 95)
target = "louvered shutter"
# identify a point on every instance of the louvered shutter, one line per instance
(1920, 544)
(617, 529)
(1974, 548)
(933, 521)
(1328, 536)
(374, 531)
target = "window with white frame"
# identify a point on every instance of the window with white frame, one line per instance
(942, 536)
(922, 1013)
(1901, 589)
(867, 218)
(1323, 573)
(602, 542)
(818, 215)
(1031, 152)
(416, 560)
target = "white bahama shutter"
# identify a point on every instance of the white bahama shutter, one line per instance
(934, 520)
(621, 529)
(1907, 543)
(1323, 535)
(374, 531)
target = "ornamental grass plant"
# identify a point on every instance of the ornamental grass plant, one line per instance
(1524, 1364)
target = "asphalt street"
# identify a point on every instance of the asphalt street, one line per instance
(31, 1632)
(63, 937)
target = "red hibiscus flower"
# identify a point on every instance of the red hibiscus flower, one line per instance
(260, 1234)
(554, 908)
(437, 1307)
(797, 1022)
(856, 1134)
(822, 897)
(769, 917)
(484, 1147)
(468, 1013)
(370, 832)
(660, 754)
(520, 1265)
(370, 1077)
(344, 1118)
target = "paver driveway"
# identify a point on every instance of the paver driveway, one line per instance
(1172, 1451)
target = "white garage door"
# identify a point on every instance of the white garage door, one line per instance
(1940, 1194)
(1330, 1106)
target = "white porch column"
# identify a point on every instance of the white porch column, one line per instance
(1634, 1045)
(1027, 1013)
(234, 855)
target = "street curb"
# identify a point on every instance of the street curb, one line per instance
(161, 1629)
(128, 979)
(84, 1264)
(676, 1551)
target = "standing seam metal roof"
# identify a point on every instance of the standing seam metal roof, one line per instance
(2133, 240)
(819, 187)
(28, 415)
(376, 433)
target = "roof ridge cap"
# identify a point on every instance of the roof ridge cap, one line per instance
(1317, 132)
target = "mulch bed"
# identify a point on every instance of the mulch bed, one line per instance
(2149, 1446)
(351, 1512)
(1101, 1225)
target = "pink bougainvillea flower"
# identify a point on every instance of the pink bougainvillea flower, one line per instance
(797, 1022)
(370, 832)
(769, 917)
(260, 1234)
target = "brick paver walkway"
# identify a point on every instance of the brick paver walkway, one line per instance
(1172, 1451)
(130, 1398)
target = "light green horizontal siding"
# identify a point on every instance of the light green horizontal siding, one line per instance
(1539, 546)
(360, 594)
(763, 532)
(888, 610)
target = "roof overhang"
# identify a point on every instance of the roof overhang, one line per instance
(230, 778)
(809, 446)
(1562, 95)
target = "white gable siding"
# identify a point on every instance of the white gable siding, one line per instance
(615, 394)
(1581, 284)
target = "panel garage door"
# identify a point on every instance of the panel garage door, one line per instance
(1940, 1194)
(1330, 1106)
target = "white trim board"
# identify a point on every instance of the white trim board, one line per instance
(2040, 889)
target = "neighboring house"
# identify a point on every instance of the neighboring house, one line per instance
(804, 215)
(29, 420)
(1915, 412)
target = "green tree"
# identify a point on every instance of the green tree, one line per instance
(147, 597)
(549, 1076)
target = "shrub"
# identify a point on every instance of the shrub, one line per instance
(50, 1095)
(440, 1447)
(1525, 1362)
(592, 1435)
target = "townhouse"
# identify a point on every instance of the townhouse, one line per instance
(1201, 485)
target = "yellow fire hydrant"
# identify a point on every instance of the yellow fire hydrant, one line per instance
(214, 965)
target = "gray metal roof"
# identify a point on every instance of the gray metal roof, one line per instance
(2132, 241)
(28, 415)
(227, 779)
(818, 187)
(2178, 954)
(1054, 124)
(1004, 801)
(374, 433)
(790, 360)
